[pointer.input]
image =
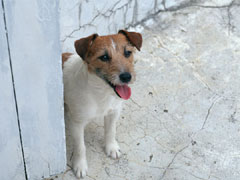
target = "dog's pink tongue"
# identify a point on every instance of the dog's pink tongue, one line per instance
(123, 91)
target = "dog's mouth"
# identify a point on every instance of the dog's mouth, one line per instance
(123, 91)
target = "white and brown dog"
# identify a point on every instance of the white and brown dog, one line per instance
(95, 82)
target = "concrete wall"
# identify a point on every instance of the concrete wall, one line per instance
(83, 17)
(11, 160)
(32, 133)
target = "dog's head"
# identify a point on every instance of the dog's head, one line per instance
(111, 58)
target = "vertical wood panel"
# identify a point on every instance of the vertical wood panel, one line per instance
(11, 160)
(35, 52)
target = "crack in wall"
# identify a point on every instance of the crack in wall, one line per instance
(135, 10)
(183, 6)
(229, 14)
(79, 14)
(207, 115)
(194, 4)
(155, 5)
(172, 161)
(14, 91)
(99, 14)
(134, 22)
(164, 4)
(228, 7)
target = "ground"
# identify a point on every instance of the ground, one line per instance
(183, 119)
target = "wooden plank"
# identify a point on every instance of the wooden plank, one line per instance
(33, 31)
(11, 160)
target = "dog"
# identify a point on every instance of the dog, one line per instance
(96, 82)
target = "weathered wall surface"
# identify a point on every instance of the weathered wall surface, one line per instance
(11, 160)
(83, 17)
(32, 131)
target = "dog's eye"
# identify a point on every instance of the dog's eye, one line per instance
(127, 53)
(104, 58)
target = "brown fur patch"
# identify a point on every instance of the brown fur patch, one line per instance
(65, 57)
(133, 37)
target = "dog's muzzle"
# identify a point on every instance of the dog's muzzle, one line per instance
(122, 91)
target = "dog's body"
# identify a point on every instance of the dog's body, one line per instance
(86, 92)
(94, 86)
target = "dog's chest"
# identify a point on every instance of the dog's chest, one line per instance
(105, 104)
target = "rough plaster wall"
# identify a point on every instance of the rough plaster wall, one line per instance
(83, 17)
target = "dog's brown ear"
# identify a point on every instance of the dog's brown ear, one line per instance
(83, 44)
(133, 37)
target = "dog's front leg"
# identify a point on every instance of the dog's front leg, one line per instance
(80, 166)
(111, 146)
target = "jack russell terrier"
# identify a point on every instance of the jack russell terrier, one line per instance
(95, 84)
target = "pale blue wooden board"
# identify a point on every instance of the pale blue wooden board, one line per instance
(33, 30)
(11, 160)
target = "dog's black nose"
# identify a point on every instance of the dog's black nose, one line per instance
(125, 77)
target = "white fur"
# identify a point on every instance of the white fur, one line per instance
(113, 44)
(89, 97)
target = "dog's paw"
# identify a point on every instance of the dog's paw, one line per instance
(113, 150)
(80, 167)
